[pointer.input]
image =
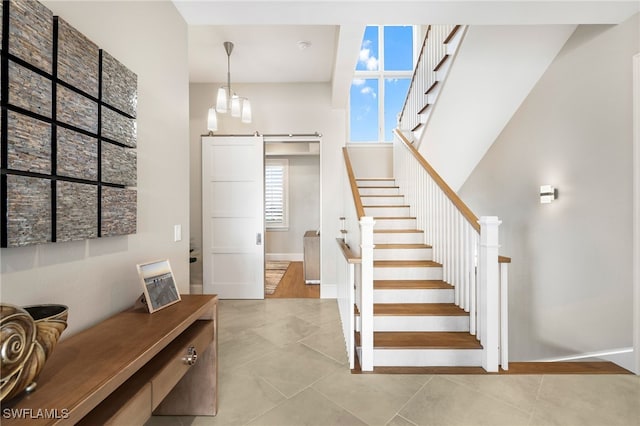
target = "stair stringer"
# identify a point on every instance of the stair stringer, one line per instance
(494, 70)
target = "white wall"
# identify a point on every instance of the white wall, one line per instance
(278, 108)
(304, 209)
(494, 70)
(97, 278)
(371, 160)
(571, 276)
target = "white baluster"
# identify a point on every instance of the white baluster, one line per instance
(504, 316)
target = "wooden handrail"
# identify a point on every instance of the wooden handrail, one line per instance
(450, 193)
(347, 253)
(354, 186)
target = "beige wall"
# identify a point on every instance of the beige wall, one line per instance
(278, 108)
(571, 276)
(97, 278)
(304, 208)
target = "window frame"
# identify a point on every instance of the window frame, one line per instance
(381, 75)
(284, 224)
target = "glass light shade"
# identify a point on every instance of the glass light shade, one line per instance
(246, 111)
(212, 120)
(221, 100)
(235, 106)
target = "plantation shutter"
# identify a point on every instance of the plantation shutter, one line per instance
(275, 193)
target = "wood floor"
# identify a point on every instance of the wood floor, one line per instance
(292, 285)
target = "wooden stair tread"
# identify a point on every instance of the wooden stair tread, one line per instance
(422, 340)
(410, 284)
(418, 309)
(451, 34)
(386, 206)
(416, 127)
(572, 367)
(441, 63)
(433, 86)
(396, 231)
(402, 246)
(393, 217)
(405, 264)
(424, 108)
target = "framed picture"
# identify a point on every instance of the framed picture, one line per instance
(158, 285)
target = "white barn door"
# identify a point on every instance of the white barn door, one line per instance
(233, 216)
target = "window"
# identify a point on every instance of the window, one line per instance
(276, 193)
(381, 82)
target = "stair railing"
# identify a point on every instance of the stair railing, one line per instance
(434, 49)
(356, 286)
(467, 248)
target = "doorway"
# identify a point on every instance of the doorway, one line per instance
(292, 216)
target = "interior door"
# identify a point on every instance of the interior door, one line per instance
(233, 216)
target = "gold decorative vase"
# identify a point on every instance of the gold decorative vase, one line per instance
(27, 338)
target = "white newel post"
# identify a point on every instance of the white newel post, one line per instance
(366, 305)
(490, 296)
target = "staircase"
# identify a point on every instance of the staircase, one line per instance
(415, 320)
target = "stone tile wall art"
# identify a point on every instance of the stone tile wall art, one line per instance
(68, 132)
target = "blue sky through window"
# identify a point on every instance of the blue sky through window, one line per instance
(398, 48)
(364, 110)
(368, 58)
(371, 101)
(395, 92)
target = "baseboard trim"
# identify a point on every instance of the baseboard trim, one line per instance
(291, 257)
(328, 291)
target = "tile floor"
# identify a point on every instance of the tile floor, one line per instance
(282, 362)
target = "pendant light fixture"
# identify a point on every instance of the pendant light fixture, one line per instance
(227, 100)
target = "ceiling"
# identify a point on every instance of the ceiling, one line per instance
(262, 53)
(266, 33)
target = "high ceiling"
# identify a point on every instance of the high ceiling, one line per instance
(266, 33)
(262, 54)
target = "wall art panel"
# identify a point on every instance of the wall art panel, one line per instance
(77, 110)
(68, 158)
(118, 128)
(118, 211)
(29, 90)
(118, 165)
(119, 85)
(77, 155)
(78, 59)
(28, 143)
(31, 33)
(29, 211)
(76, 211)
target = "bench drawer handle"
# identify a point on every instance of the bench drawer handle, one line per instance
(192, 356)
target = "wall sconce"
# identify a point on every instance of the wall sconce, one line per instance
(547, 194)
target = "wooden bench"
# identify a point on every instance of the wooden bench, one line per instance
(129, 366)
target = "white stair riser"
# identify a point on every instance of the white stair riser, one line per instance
(407, 273)
(420, 323)
(381, 201)
(379, 191)
(398, 237)
(382, 182)
(408, 223)
(402, 211)
(426, 357)
(432, 295)
(403, 254)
